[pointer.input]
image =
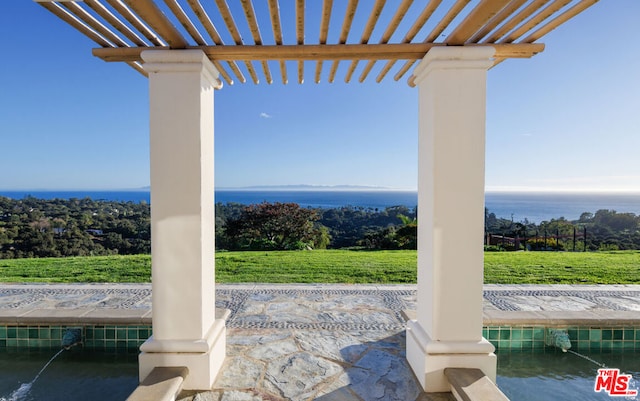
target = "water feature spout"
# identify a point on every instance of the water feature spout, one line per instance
(558, 338)
(71, 337)
(22, 392)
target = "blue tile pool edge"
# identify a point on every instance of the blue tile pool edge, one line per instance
(104, 337)
(99, 337)
(588, 338)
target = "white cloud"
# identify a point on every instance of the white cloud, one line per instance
(265, 115)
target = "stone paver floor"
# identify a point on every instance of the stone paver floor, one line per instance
(314, 342)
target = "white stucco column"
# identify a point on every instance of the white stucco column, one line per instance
(447, 331)
(185, 331)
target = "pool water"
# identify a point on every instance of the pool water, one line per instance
(526, 376)
(73, 375)
(79, 374)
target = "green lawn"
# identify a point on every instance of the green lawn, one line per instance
(94, 269)
(330, 266)
(338, 266)
(620, 267)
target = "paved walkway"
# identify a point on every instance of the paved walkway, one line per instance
(323, 342)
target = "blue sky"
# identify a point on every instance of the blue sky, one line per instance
(567, 119)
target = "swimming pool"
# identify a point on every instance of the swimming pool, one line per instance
(81, 374)
(74, 375)
(545, 376)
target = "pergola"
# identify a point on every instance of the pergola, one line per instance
(188, 48)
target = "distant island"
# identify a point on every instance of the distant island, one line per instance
(307, 187)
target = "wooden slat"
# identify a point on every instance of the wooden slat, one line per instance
(386, 36)
(206, 22)
(404, 51)
(326, 18)
(133, 19)
(350, 12)
(404, 69)
(561, 19)
(318, 71)
(300, 22)
(138, 67)
(515, 20)
(537, 19)
(283, 72)
(250, 15)
(324, 31)
(222, 72)
(396, 20)
(366, 34)
(344, 33)
(274, 12)
(252, 72)
(475, 20)
(223, 7)
(372, 21)
(300, 35)
(108, 16)
(149, 12)
(497, 61)
(96, 25)
(422, 19)
(177, 10)
(72, 20)
(267, 72)
(334, 69)
(453, 12)
(236, 70)
(497, 20)
(385, 70)
(366, 70)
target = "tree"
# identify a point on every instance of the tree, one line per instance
(275, 226)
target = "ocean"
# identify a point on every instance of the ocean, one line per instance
(535, 207)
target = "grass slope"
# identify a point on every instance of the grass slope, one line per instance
(93, 269)
(621, 267)
(338, 266)
(330, 266)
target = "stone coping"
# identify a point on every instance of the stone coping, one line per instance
(473, 385)
(554, 319)
(599, 318)
(130, 304)
(162, 384)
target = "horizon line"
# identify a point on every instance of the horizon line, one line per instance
(319, 188)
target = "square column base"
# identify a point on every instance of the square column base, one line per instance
(202, 358)
(429, 358)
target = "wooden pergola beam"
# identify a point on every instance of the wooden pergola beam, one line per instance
(404, 51)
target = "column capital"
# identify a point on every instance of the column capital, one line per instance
(452, 58)
(181, 60)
